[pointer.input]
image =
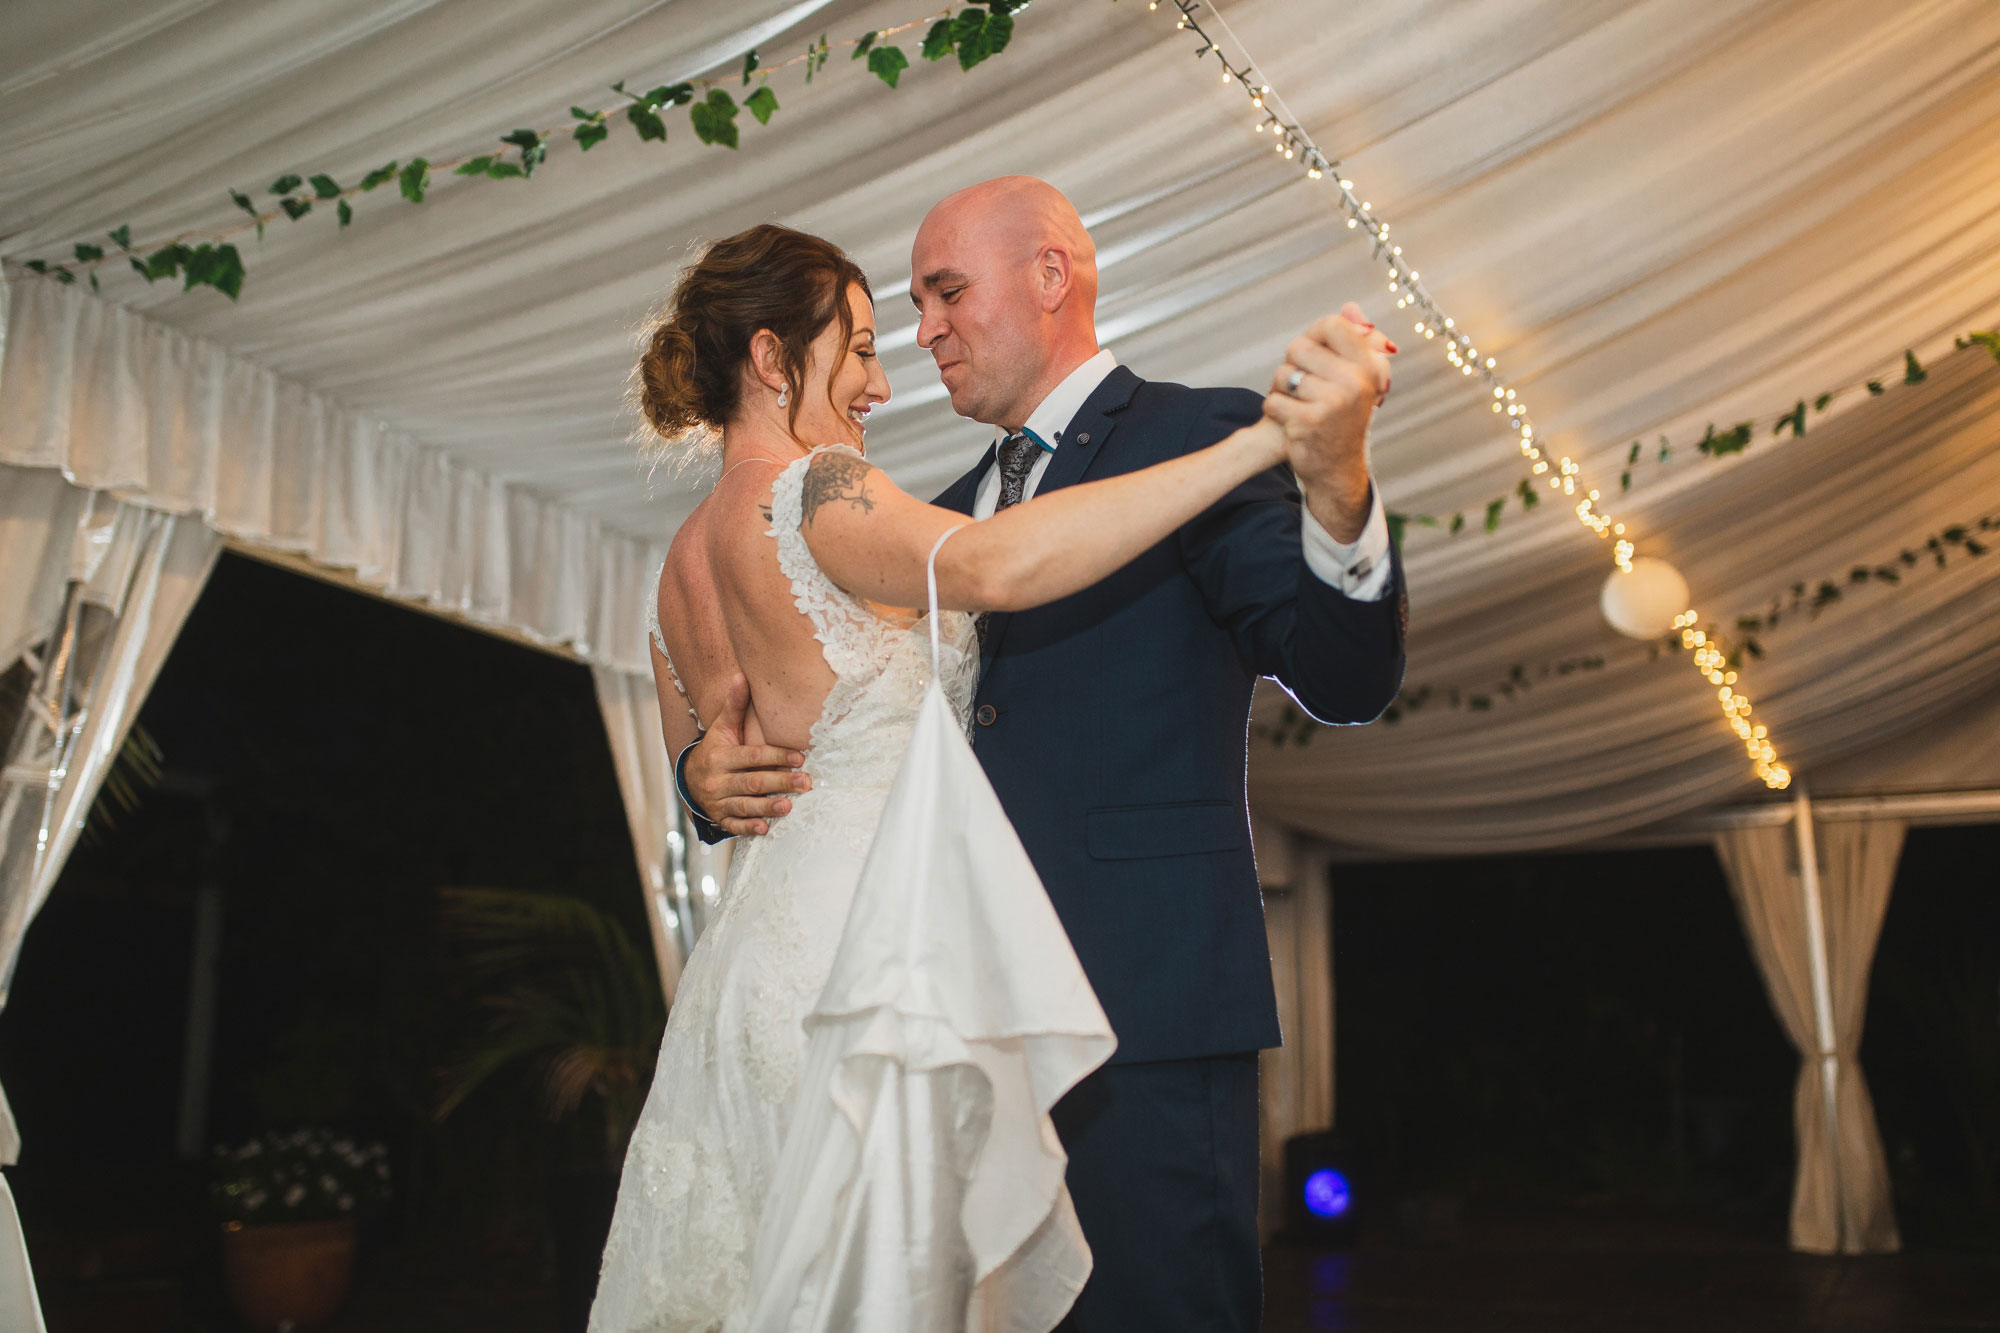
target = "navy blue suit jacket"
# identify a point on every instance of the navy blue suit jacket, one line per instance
(1117, 740)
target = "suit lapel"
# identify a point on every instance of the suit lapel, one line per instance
(1083, 440)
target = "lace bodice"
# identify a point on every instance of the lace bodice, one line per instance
(880, 667)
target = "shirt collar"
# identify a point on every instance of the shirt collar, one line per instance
(1046, 424)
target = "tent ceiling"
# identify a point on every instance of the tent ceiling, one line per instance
(1654, 214)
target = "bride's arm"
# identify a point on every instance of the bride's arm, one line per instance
(873, 539)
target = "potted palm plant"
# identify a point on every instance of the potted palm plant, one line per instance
(569, 999)
(288, 1203)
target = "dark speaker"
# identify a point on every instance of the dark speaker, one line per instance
(1322, 1204)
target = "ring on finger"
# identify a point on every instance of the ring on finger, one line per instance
(1293, 381)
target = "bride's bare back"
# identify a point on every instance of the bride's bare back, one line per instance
(726, 608)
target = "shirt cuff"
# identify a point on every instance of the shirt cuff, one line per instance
(1360, 568)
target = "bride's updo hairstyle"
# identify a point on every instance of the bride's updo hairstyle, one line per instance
(690, 375)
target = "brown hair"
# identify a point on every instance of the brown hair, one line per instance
(690, 374)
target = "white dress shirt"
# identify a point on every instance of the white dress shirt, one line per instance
(1359, 568)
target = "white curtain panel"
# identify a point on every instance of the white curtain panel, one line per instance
(124, 580)
(1295, 1080)
(122, 404)
(683, 880)
(1843, 1205)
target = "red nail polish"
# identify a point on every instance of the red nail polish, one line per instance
(1391, 346)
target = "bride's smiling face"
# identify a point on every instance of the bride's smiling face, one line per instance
(852, 375)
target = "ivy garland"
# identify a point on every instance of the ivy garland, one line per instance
(974, 34)
(1713, 443)
(1805, 598)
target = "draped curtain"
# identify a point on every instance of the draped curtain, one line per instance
(1295, 1093)
(102, 591)
(1841, 1202)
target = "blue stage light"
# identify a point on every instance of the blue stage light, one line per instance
(1327, 1193)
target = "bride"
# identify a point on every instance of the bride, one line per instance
(802, 571)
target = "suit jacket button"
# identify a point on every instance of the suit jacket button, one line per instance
(1083, 437)
(986, 714)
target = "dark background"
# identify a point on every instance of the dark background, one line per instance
(1532, 1046)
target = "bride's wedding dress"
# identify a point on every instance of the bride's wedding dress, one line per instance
(848, 1126)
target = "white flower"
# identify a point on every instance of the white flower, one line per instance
(294, 1195)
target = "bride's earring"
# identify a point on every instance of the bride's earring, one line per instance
(785, 395)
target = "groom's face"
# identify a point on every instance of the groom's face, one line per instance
(980, 314)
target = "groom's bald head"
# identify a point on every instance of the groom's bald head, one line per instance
(1005, 278)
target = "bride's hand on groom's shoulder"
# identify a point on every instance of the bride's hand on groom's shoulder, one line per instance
(742, 787)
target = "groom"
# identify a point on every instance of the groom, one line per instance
(1112, 724)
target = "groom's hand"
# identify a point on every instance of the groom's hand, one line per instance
(1344, 374)
(742, 787)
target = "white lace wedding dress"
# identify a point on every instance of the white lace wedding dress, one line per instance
(848, 1127)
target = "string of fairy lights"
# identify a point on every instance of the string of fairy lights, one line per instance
(1291, 141)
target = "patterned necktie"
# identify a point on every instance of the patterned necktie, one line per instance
(1017, 460)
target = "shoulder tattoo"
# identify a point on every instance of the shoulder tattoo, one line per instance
(831, 477)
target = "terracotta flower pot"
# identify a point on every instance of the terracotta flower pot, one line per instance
(288, 1272)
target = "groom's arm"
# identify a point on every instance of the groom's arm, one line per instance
(1325, 618)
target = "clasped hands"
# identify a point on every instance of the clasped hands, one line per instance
(1323, 395)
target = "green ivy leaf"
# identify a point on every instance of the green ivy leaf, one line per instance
(1529, 496)
(1874, 388)
(1986, 338)
(887, 63)
(938, 42)
(415, 179)
(38, 266)
(326, 187)
(166, 261)
(999, 31)
(1625, 480)
(749, 65)
(1005, 6)
(139, 267)
(596, 132)
(861, 47)
(1912, 372)
(1796, 419)
(86, 253)
(762, 103)
(285, 184)
(1398, 525)
(646, 121)
(501, 171)
(62, 275)
(714, 119)
(295, 208)
(533, 149)
(122, 235)
(589, 117)
(1632, 458)
(671, 94)
(968, 35)
(1457, 524)
(217, 266)
(93, 283)
(1494, 509)
(473, 166)
(1820, 403)
(377, 176)
(346, 211)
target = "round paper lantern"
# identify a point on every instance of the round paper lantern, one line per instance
(1643, 603)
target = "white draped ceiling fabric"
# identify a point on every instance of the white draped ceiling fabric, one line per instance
(1655, 215)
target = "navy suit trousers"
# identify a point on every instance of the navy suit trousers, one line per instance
(1163, 1170)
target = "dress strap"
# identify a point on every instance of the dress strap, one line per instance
(660, 643)
(930, 583)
